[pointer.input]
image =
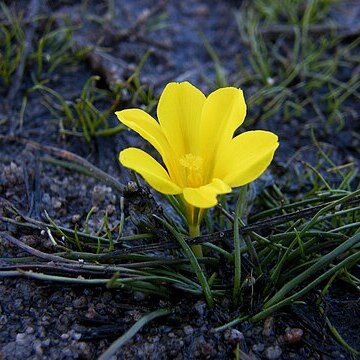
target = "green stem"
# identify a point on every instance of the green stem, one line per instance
(194, 231)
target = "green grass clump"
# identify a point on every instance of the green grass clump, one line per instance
(292, 11)
(134, 91)
(289, 70)
(81, 117)
(12, 43)
(56, 49)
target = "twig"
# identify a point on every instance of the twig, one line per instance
(56, 268)
(32, 251)
(112, 72)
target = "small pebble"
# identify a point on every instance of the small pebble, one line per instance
(3, 319)
(188, 330)
(270, 81)
(273, 352)
(46, 342)
(42, 331)
(54, 188)
(233, 336)
(38, 349)
(258, 347)
(201, 10)
(45, 320)
(76, 336)
(64, 336)
(46, 199)
(79, 302)
(67, 353)
(110, 209)
(91, 313)
(139, 296)
(268, 328)
(207, 350)
(163, 303)
(64, 319)
(56, 204)
(107, 296)
(75, 218)
(293, 336)
(135, 314)
(21, 339)
(149, 348)
(225, 302)
(200, 307)
(30, 330)
(99, 193)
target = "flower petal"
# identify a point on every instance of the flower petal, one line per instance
(206, 196)
(246, 157)
(179, 113)
(224, 111)
(146, 126)
(150, 170)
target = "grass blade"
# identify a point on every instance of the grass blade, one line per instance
(237, 244)
(194, 263)
(117, 344)
(320, 264)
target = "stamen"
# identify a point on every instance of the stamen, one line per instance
(193, 167)
(191, 161)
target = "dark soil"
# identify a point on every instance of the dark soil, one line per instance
(40, 320)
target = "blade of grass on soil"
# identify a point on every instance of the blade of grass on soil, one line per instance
(116, 345)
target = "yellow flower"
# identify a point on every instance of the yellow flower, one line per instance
(194, 136)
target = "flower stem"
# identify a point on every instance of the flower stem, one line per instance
(194, 231)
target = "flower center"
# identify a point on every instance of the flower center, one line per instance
(193, 165)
